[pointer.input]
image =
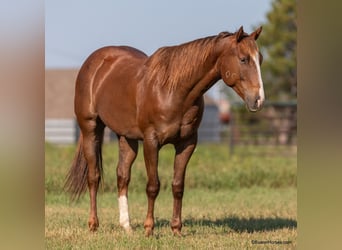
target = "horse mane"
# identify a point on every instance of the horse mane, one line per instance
(173, 65)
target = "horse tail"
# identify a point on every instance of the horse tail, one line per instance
(77, 177)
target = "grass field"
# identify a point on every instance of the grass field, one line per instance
(244, 201)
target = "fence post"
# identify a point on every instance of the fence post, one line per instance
(77, 131)
(231, 137)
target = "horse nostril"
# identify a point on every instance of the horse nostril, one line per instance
(258, 102)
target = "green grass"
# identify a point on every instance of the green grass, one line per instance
(230, 202)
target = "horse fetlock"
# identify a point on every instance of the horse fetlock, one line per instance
(149, 226)
(124, 222)
(176, 225)
(93, 224)
(128, 229)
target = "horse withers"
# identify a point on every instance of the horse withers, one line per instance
(157, 99)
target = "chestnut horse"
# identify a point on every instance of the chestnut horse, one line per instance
(159, 100)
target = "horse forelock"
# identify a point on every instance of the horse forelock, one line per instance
(171, 66)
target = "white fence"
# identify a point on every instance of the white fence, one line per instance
(60, 131)
(66, 131)
(276, 124)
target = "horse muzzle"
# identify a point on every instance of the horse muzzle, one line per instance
(254, 104)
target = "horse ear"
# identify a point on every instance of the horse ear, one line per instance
(256, 33)
(239, 34)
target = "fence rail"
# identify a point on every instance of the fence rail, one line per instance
(60, 131)
(275, 124)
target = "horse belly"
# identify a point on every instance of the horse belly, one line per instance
(120, 124)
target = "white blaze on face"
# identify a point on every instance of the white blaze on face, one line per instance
(123, 208)
(261, 85)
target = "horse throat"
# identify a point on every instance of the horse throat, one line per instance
(200, 86)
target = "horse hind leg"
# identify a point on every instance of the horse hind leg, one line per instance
(128, 150)
(92, 132)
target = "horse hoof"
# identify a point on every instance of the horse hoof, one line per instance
(177, 233)
(93, 225)
(148, 232)
(128, 230)
(93, 228)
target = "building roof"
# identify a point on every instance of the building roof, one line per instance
(59, 93)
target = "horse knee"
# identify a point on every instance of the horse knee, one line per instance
(178, 189)
(152, 189)
(93, 224)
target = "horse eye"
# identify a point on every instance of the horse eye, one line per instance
(243, 60)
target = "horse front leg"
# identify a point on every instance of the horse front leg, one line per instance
(151, 149)
(184, 150)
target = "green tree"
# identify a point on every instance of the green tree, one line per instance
(278, 46)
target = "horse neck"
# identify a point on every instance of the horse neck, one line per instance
(196, 88)
(185, 72)
(208, 70)
(206, 76)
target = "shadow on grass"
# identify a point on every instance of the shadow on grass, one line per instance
(249, 225)
(239, 225)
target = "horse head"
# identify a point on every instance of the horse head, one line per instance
(239, 65)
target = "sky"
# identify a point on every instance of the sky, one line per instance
(75, 28)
